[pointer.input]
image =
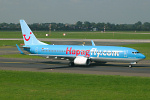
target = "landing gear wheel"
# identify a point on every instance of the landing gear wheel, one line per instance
(130, 66)
(71, 64)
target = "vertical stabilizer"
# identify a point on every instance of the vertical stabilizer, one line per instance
(28, 36)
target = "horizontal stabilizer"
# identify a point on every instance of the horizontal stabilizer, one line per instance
(19, 49)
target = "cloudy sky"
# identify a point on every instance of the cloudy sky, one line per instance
(71, 11)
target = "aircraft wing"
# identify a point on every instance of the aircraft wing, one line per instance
(70, 57)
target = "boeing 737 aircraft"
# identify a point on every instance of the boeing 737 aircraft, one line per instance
(78, 55)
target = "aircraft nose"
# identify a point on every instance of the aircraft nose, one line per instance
(142, 56)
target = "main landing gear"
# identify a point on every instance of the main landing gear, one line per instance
(71, 64)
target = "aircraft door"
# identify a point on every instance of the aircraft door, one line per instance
(36, 50)
(125, 53)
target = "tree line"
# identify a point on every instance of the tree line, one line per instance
(79, 26)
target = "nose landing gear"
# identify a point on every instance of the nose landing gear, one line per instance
(130, 65)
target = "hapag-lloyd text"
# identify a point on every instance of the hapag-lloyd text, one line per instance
(93, 51)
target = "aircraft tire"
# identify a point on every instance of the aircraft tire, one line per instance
(71, 64)
(130, 66)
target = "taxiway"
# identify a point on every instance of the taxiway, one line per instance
(49, 65)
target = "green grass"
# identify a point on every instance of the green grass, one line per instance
(10, 34)
(17, 85)
(4, 43)
(11, 43)
(79, 35)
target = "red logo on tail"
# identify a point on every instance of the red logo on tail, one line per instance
(24, 35)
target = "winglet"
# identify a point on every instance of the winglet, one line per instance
(93, 44)
(19, 49)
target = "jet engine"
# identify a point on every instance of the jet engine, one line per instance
(81, 61)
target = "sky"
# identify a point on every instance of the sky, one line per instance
(71, 11)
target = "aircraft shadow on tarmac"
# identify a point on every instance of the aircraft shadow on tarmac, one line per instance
(52, 62)
(63, 65)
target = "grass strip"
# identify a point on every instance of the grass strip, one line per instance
(10, 43)
(80, 35)
(20, 85)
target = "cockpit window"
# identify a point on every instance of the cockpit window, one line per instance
(135, 52)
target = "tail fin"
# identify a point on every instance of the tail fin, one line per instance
(28, 36)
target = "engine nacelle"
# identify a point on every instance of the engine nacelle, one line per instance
(81, 61)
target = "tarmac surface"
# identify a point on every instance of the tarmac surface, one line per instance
(51, 65)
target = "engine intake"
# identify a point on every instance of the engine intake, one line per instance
(81, 61)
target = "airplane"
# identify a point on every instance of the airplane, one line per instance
(78, 54)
